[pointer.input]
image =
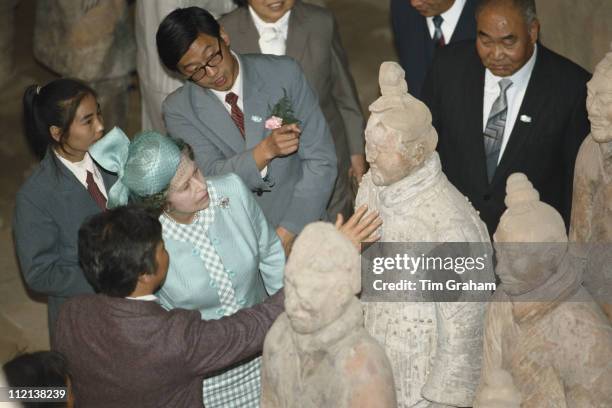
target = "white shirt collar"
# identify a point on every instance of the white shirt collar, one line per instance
(80, 169)
(236, 88)
(519, 79)
(282, 24)
(146, 298)
(451, 18)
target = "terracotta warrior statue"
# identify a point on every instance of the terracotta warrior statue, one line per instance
(318, 354)
(498, 392)
(435, 348)
(591, 221)
(542, 326)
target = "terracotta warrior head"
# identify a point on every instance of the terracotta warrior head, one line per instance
(527, 220)
(599, 100)
(399, 134)
(322, 276)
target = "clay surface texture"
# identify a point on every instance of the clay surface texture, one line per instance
(435, 348)
(591, 222)
(543, 327)
(317, 353)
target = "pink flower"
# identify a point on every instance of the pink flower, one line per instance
(273, 122)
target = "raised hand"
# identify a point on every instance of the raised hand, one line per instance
(359, 228)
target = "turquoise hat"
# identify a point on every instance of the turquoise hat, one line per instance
(144, 167)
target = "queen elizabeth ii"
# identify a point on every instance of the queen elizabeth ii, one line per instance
(224, 255)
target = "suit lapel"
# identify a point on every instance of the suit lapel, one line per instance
(466, 26)
(108, 178)
(428, 45)
(78, 202)
(523, 131)
(297, 36)
(214, 116)
(66, 180)
(248, 35)
(256, 103)
(473, 119)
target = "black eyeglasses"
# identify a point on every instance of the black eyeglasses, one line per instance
(212, 62)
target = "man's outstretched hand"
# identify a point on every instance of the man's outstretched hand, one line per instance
(360, 227)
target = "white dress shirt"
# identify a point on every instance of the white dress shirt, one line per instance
(238, 89)
(146, 298)
(80, 169)
(272, 36)
(451, 18)
(514, 95)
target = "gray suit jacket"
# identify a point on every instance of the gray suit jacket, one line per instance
(314, 42)
(50, 208)
(297, 187)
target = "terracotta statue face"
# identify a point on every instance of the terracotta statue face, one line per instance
(599, 105)
(389, 161)
(314, 298)
(322, 276)
(523, 266)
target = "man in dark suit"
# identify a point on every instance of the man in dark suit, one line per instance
(506, 105)
(309, 34)
(222, 111)
(122, 348)
(417, 35)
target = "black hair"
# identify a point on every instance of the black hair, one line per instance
(117, 246)
(526, 7)
(39, 369)
(54, 104)
(179, 30)
(241, 3)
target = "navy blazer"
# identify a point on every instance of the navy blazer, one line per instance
(413, 41)
(50, 208)
(544, 146)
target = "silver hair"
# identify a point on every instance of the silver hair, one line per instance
(526, 7)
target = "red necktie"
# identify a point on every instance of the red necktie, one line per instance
(95, 192)
(237, 115)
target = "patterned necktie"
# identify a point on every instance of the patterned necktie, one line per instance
(237, 115)
(494, 132)
(95, 192)
(438, 37)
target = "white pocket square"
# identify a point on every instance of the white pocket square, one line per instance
(256, 118)
(525, 118)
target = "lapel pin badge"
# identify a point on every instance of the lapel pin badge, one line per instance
(526, 118)
(256, 118)
(224, 202)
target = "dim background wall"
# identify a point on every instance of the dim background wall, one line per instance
(580, 30)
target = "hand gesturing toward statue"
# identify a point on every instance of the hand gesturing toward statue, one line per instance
(359, 228)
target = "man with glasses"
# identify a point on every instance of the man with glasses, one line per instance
(223, 112)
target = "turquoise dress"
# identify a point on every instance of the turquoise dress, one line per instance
(227, 259)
